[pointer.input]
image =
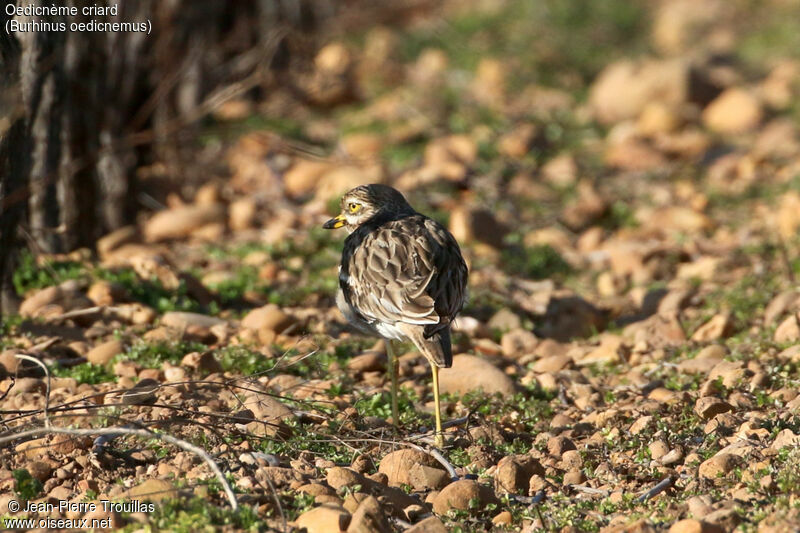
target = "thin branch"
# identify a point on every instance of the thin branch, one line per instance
(663, 485)
(47, 395)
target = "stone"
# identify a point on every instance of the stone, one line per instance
(115, 239)
(183, 320)
(181, 221)
(780, 304)
(658, 331)
(57, 299)
(514, 472)
(574, 477)
(733, 373)
(658, 449)
(270, 414)
(561, 171)
(624, 88)
(242, 214)
(692, 525)
(681, 26)
(472, 224)
(553, 363)
(718, 466)
(324, 519)
(641, 423)
(281, 477)
(586, 209)
(339, 477)
(153, 490)
(103, 353)
(736, 110)
(470, 373)
(397, 465)
(371, 361)
(557, 445)
(431, 524)
(106, 293)
(657, 118)
(504, 320)
(459, 494)
(424, 478)
(571, 460)
(518, 343)
(785, 439)
(705, 360)
(269, 317)
(634, 155)
(704, 268)
(39, 470)
(303, 176)
(134, 313)
(519, 141)
(489, 84)
(203, 361)
(341, 179)
(788, 330)
(567, 315)
(708, 407)
(718, 327)
(368, 518)
(612, 350)
(788, 215)
(29, 385)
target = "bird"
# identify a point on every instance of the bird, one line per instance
(401, 277)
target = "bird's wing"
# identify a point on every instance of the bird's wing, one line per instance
(448, 287)
(389, 273)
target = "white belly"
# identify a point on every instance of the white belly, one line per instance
(385, 330)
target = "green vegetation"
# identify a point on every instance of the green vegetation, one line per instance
(536, 262)
(29, 275)
(243, 360)
(85, 373)
(153, 354)
(195, 514)
(26, 487)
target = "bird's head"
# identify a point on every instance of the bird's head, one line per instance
(364, 202)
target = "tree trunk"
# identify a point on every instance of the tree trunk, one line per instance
(71, 102)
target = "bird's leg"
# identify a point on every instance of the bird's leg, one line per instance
(438, 436)
(394, 370)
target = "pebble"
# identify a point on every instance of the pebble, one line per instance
(326, 518)
(397, 465)
(470, 373)
(459, 494)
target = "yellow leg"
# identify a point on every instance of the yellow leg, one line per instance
(394, 370)
(438, 436)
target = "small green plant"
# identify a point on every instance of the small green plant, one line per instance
(26, 486)
(243, 360)
(85, 373)
(536, 262)
(198, 514)
(151, 292)
(29, 275)
(151, 355)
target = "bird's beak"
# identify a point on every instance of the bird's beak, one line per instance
(335, 223)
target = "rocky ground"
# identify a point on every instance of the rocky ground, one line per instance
(624, 179)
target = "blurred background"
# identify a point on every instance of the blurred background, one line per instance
(623, 178)
(524, 110)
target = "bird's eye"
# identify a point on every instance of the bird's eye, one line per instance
(353, 207)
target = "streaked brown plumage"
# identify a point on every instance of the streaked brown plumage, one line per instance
(402, 275)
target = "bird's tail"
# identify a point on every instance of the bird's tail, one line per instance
(435, 346)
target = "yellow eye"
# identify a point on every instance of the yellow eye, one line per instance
(353, 207)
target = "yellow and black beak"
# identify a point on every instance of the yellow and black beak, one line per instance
(335, 223)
